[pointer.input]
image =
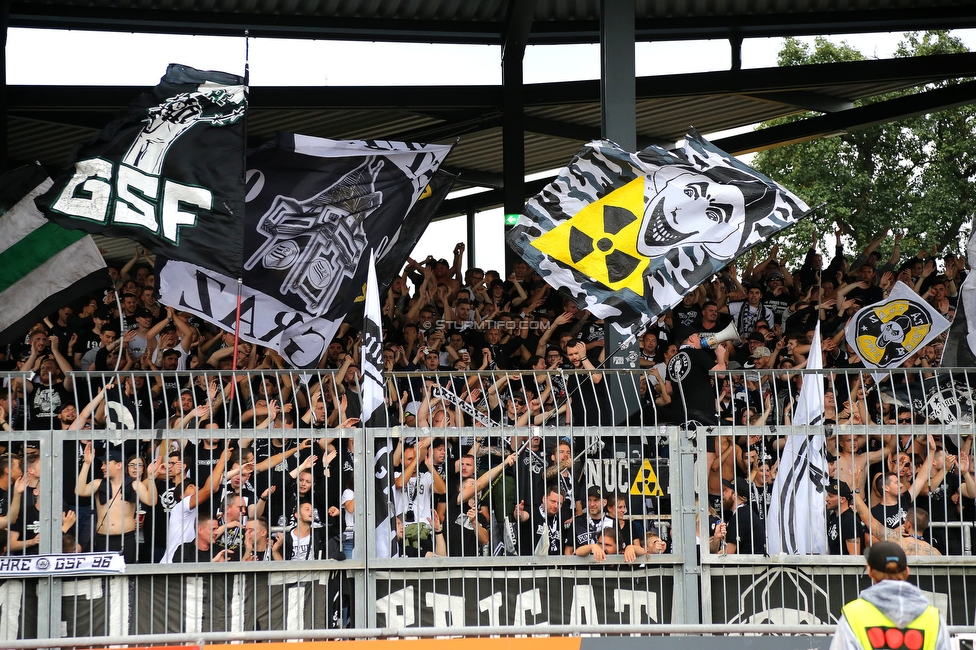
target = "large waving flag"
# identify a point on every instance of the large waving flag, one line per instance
(43, 267)
(314, 208)
(169, 172)
(628, 235)
(889, 331)
(797, 519)
(960, 345)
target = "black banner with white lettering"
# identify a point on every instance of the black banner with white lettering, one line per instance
(169, 172)
(630, 595)
(315, 208)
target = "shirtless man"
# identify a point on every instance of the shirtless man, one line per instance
(115, 501)
(853, 461)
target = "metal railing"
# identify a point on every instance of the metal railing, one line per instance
(488, 569)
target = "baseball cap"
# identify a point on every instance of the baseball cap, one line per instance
(142, 312)
(757, 336)
(841, 489)
(880, 554)
(102, 313)
(775, 275)
(594, 491)
(112, 453)
(761, 351)
(740, 487)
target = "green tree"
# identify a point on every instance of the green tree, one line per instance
(916, 175)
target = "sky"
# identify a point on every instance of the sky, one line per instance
(38, 56)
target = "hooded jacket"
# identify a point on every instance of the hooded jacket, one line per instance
(902, 602)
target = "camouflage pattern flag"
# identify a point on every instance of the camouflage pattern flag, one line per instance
(628, 235)
(889, 331)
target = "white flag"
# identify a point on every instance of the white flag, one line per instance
(960, 345)
(372, 353)
(373, 399)
(888, 332)
(797, 520)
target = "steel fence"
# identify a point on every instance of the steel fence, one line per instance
(495, 491)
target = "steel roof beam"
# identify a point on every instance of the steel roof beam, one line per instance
(24, 13)
(863, 117)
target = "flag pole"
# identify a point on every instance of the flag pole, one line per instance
(240, 280)
(118, 357)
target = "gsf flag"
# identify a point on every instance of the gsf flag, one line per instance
(169, 172)
(314, 208)
(796, 521)
(889, 331)
(627, 235)
(43, 267)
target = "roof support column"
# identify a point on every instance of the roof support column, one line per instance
(514, 39)
(618, 72)
(4, 21)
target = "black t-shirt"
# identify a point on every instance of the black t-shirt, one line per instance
(777, 304)
(232, 540)
(28, 524)
(189, 552)
(201, 461)
(682, 316)
(589, 402)
(539, 524)
(587, 530)
(459, 533)
(277, 475)
(689, 369)
(840, 529)
(530, 475)
(867, 296)
(893, 516)
(44, 403)
(747, 531)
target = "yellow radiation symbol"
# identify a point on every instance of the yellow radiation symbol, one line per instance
(600, 241)
(645, 483)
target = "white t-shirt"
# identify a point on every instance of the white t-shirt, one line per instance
(300, 546)
(417, 496)
(180, 365)
(182, 528)
(349, 518)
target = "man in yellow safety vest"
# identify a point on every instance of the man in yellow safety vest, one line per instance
(892, 614)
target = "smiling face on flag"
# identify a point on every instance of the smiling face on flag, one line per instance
(627, 235)
(685, 209)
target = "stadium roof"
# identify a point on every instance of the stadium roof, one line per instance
(45, 122)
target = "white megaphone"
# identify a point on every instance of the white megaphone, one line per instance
(713, 339)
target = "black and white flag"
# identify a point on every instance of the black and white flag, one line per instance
(373, 399)
(628, 235)
(889, 331)
(796, 522)
(314, 207)
(169, 173)
(372, 352)
(960, 345)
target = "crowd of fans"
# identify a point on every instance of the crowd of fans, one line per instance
(223, 478)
